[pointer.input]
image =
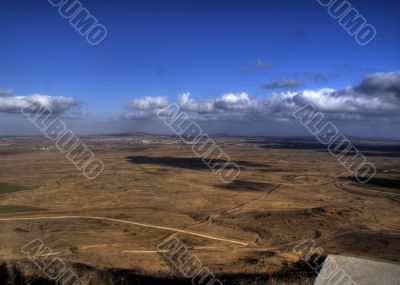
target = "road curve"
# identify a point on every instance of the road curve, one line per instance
(368, 192)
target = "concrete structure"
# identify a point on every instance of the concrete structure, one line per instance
(344, 270)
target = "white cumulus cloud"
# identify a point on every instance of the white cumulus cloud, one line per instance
(55, 104)
(377, 96)
(149, 102)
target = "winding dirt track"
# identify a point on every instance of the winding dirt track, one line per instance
(245, 245)
(248, 246)
(131, 223)
(319, 242)
(238, 207)
(369, 192)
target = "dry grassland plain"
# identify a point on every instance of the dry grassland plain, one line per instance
(154, 187)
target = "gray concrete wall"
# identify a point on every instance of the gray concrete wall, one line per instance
(344, 270)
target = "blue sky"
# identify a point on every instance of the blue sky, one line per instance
(207, 48)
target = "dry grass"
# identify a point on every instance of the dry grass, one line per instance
(166, 185)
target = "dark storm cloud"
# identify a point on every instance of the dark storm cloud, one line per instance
(380, 83)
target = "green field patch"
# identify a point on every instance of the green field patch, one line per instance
(9, 188)
(18, 208)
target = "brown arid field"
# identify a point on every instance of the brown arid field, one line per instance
(153, 188)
